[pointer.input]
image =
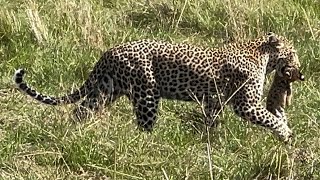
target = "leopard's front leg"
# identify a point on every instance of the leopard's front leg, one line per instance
(212, 109)
(247, 105)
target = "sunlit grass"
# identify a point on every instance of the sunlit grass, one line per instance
(58, 43)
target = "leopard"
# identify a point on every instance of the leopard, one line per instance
(149, 70)
(280, 93)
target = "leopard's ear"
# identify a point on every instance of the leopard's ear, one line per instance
(274, 40)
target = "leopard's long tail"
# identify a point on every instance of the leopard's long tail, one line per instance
(67, 99)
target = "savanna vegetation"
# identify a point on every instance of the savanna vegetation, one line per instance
(58, 42)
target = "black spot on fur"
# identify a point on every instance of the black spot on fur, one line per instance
(136, 95)
(144, 117)
(150, 123)
(47, 101)
(145, 109)
(136, 88)
(149, 105)
(143, 94)
(23, 86)
(31, 92)
(173, 89)
(19, 79)
(140, 107)
(39, 98)
(150, 114)
(143, 102)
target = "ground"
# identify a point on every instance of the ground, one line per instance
(58, 43)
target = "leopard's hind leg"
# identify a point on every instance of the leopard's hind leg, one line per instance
(105, 92)
(212, 109)
(145, 105)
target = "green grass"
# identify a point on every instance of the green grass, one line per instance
(58, 43)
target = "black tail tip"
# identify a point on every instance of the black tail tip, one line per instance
(18, 76)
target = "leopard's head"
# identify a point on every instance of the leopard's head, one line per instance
(282, 53)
